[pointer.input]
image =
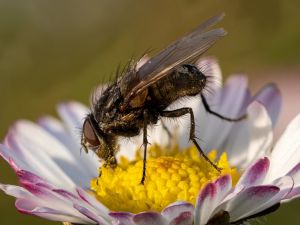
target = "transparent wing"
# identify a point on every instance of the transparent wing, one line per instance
(184, 50)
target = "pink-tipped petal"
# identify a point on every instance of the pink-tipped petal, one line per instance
(122, 218)
(13, 158)
(102, 210)
(30, 207)
(271, 98)
(210, 198)
(294, 171)
(295, 174)
(285, 184)
(223, 186)
(52, 199)
(149, 218)
(255, 174)
(185, 218)
(28, 177)
(16, 191)
(249, 199)
(66, 194)
(295, 193)
(205, 204)
(174, 210)
(91, 215)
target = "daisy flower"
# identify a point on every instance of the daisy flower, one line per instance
(59, 182)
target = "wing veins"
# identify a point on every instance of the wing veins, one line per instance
(182, 51)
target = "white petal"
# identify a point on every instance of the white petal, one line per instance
(270, 97)
(87, 161)
(227, 102)
(286, 153)
(44, 155)
(250, 139)
(73, 114)
(129, 147)
(261, 134)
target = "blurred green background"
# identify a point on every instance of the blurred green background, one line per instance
(51, 51)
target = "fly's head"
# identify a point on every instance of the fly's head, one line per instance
(94, 139)
(195, 73)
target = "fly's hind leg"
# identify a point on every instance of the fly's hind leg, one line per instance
(184, 111)
(208, 109)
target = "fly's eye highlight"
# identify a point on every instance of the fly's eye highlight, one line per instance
(89, 134)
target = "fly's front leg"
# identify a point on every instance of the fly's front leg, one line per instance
(145, 143)
(184, 111)
(207, 108)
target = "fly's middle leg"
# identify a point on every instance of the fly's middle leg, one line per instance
(145, 143)
(184, 111)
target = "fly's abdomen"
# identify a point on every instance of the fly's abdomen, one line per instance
(186, 80)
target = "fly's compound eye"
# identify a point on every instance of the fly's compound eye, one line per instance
(90, 138)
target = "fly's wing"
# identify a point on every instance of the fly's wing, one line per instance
(185, 50)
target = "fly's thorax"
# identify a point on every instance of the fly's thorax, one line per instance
(186, 80)
(107, 107)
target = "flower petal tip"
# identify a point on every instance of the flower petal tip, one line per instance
(185, 218)
(224, 181)
(174, 210)
(209, 191)
(255, 173)
(149, 218)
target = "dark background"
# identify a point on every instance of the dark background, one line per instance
(52, 51)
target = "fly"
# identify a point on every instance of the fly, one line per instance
(139, 98)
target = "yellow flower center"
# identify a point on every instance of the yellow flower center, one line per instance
(171, 175)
